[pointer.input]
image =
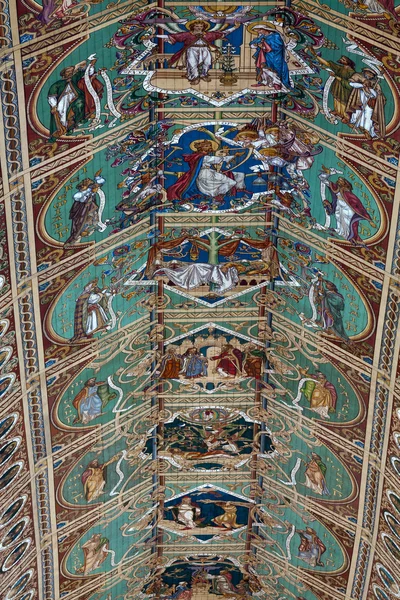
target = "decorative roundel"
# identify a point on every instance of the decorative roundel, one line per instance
(6, 382)
(18, 587)
(10, 474)
(210, 415)
(14, 533)
(388, 580)
(12, 511)
(394, 500)
(7, 424)
(15, 555)
(395, 460)
(396, 436)
(8, 449)
(380, 594)
(391, 546)
(393, 523)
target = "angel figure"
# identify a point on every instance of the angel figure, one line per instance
(95, 552)
(94, 478)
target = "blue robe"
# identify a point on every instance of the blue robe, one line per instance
(195, 366)
(275, 59)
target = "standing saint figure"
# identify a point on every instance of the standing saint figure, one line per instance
(331, 307)
(229, 361)
(194, 364)
(198, 45)
(347, 208)
(95, 552)
(90, 108)
(315, 475)
(171, 364)
(91, 400)
(320, 393)
(270, 56)
(205, 175)
(311, 547)
(67, 102)
(366, 104)
(84, 212)
(342, 71)
(90, 314)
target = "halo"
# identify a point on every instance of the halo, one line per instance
(213, 8)
(246, 133)
(190, 24)
(213, 143)
(255, 27)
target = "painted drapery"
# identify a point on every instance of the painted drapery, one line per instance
(199, 300)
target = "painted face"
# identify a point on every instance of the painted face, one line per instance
(206, 147)
(68, 72)
(198, 29)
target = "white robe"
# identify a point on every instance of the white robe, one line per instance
(214, 183)
(363, 118)
(93, 321)
(198, 274)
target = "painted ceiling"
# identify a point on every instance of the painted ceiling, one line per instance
(199, 300)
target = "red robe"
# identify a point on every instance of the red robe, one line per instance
(360, 212)
(183, 182)
(227, 364)
(90, 107)
(188, 40)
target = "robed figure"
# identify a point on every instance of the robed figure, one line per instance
(90, 401)
(366, 104)
(194, 364)
(205, 175)
(84, 211)
(270, 54)
(196, 52)
(315, 475)
(90, 314)
(67, 102)
(170, 365)
(222, 584)
(95, 552)
(311, 547)
(94, 479)
(331, 307)
(320, 393)
(347, 208)
(229, 361)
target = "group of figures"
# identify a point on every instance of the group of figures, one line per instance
(229, 362)
(186, 217)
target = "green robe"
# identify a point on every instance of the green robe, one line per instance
(76, 110)
(341, 90)
(334, 302)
